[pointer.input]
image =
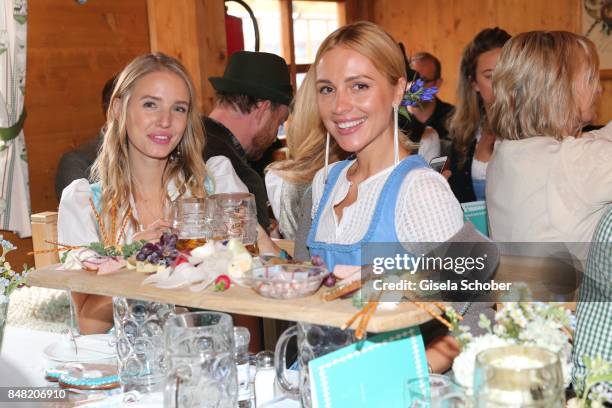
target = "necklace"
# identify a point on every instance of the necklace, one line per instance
(153, 207)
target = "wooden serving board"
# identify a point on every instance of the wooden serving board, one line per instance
(237, 299)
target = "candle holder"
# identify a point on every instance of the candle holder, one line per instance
(518, 376)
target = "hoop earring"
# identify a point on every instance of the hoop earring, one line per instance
(395, 135)
(326, 156)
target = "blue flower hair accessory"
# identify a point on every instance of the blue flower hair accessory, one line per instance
(417, 93)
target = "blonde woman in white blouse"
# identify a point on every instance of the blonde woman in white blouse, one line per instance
(383, 194)
(151, 156)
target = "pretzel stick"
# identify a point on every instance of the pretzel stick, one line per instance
(62, 245)
(363, 325)
(367, 314)
(355, 316)
(113, 214)
(56, 249)
(47, 251)
(124, 224)
(433, 314)
(342, 290)
(100, 223)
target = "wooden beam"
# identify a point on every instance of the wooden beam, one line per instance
(302, 68)
(356, 10)
(193, 31)
(288, 45)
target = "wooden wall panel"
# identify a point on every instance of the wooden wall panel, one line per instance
(197, 39)
(72, 51)
(355, 10)
(444, 27)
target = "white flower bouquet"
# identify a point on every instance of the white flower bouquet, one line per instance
(543, 325)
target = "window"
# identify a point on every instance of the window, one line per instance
(290, 28)
(312, 22)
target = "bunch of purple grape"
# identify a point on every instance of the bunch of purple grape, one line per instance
(163, 251)
(330, 279)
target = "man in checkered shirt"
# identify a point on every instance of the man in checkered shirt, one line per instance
(594, 314)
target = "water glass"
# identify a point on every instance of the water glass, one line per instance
(140, 343)
(434, 391)
(518, 376)
(236, 214)
(200, 357)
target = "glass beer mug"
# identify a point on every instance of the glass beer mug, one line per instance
(236, 215)
(190, 223)
(140, 343)
(201, 370)
(313, 341)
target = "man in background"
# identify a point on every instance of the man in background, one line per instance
(436, 112)
(252, 101)
(76, 164)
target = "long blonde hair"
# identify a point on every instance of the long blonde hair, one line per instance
(469, 112)
(306, 133)
(185, 166)
(305, 142)
(536, 84)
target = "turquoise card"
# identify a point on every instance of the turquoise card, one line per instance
(476, 212)
(372, 373)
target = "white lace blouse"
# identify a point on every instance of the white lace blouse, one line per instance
(426, 209)
(76, 224)
(429, 148)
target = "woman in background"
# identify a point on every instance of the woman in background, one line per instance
(469, 127)
(150, 157)
(547, 181)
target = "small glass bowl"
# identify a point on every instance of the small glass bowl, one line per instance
(286, 281)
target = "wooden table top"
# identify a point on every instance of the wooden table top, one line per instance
(237, 299)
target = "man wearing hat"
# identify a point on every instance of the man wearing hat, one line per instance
(252, 101)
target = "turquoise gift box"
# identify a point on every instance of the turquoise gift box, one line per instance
(476, 212)
(370, 373)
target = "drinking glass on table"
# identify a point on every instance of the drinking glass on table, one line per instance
(235, 216)
(140, 343)
(200, 361)
(312, 341)
(433, 391)
(190, 223)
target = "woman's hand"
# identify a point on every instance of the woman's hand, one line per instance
(153, 231)
(265, 243)
(441, 352)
